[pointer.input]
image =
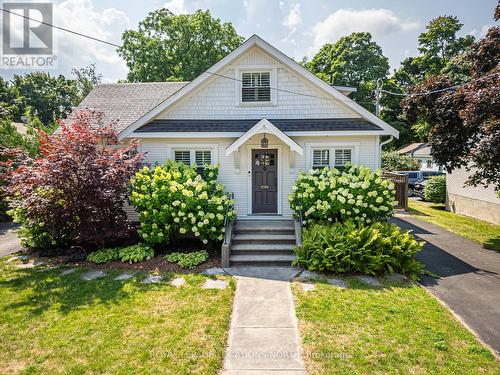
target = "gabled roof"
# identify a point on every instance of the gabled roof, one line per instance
(128, 101)
(412, 147)
(242, 125)
(423, 151)
(264, 126)
(279, 56)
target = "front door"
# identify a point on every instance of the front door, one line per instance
(265, 182)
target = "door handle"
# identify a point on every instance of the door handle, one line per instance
(264, 187)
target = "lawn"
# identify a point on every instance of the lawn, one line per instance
(399, 329)
(480, 231)
(53, 324)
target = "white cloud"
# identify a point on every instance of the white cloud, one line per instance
(176, 6)
(478, 34)
(379, 22)
(75, 51)
(293, 19)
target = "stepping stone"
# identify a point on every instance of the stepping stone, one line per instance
(25, 265)
(123, 276)
(338, 283)
(18, 257)
(307, 287)
(91, 275)
(215, 284)
(213, 271)
(152, 279)
(396, 277)
(178, 282)
(308, 275)
(67, 272)
(369, 280)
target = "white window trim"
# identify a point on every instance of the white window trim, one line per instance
(273, 71)
(192, 148)
(310, 147)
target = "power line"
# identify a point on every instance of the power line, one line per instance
(62, 29)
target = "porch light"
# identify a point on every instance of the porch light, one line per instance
(264, 142)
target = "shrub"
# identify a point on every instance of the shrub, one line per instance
(356, 194)
(188, 260)
(393, 161)
(369, 249)
(74, 193)
(131, 254)
(174, 199)
(435, 191)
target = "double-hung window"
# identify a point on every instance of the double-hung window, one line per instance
(255, 87)
(331, 157)
(199, 157)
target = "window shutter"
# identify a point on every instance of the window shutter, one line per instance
(256, 87)
(342, 157)
(203, 157)
(321, 158)
(183, 156)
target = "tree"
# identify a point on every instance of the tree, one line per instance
(10, 103)
(86, 79)
(354, 60)
(394, 161)
(463, 124)
(50, 97)
(170, 47)
(74, 193)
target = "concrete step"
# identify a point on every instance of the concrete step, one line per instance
(264, 225)
(261, 260)
(264, 238)
(264, 230)
(262, 249)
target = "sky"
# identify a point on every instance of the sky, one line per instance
(298, 28)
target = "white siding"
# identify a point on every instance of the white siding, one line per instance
(237, 180)
(218, 98)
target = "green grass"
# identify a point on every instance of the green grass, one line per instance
(485, 233)
(62, 325)
(393, 330)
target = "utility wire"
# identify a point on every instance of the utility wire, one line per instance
(62, 28)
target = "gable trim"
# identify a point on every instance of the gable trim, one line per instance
(255, 40)
(264, 126)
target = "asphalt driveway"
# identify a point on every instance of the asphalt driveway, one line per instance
(469, 282)
(9, 243)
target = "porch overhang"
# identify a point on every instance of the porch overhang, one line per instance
(264, 126)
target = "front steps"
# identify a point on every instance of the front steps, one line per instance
(263, 243)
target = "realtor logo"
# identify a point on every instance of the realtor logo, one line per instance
(27, 37)
(23, 30)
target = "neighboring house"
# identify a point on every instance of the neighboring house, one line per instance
(421, 152)
(479, 202)
(258, 113)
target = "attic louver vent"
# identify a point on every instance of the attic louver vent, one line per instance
(256, 87)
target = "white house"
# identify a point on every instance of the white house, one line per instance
(258, 113)
(421, 152)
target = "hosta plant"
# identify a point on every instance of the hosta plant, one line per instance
(357, 194)
(173, 199)
(131, 254)
(372, 249)
(188, 260)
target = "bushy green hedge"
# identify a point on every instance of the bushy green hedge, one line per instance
(369, 249)
(356, 194)
(188, 260)
(174, 199)
(130, 254)
(394, 161)
(435, 191)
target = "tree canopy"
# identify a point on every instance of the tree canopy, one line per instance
(353, 60)
(168, 47)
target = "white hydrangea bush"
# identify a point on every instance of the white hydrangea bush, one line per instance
(357, 194)
(174, 199)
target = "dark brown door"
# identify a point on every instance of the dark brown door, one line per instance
(265, 181)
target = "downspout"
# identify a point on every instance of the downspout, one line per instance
(382, 144)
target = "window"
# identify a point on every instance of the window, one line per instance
(429, 163)
(321, 159)
(183, 156)
(199, 157)
(342, 157)
(256, 87)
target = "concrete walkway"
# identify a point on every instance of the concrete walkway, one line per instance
(469, 282)
(264, 337)
(9, 243)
